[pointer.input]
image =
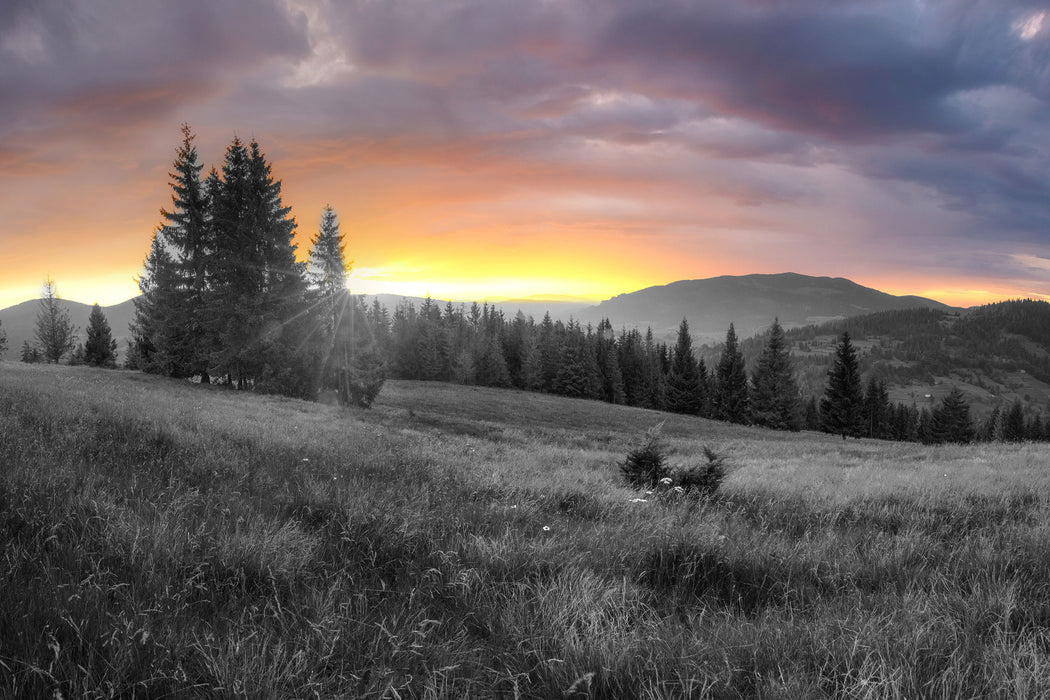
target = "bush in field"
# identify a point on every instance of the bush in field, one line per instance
(646, 465)
(646, 468)
(702, 479)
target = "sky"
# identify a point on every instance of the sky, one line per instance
(492, 149)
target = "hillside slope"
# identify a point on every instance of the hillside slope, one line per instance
(996, 353)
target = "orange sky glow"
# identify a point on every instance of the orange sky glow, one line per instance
(540, 151)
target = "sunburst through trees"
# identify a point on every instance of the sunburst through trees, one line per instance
(224, 297)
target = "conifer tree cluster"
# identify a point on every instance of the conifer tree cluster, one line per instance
(224, 298)
(481, 346)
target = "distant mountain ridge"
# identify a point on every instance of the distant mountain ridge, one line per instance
(750, 302)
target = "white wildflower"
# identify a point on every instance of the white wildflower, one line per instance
(546, 528)
(639, 500)
(666, 481)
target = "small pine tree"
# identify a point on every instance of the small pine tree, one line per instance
(55, 333)
(3, 341)
(841, 407)
(30, 353)
(646, 465)
(703, 479)
(100, 350)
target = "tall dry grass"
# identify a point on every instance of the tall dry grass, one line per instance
(165, 540)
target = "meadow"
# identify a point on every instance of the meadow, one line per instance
(160, 539)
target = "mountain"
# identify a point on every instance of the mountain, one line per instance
(19, 322)
(750, 302)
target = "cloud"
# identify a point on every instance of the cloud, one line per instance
(692, 122)
(73, 68)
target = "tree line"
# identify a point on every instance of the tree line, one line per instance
(480, 345)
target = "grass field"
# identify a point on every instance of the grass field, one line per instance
(160, 539)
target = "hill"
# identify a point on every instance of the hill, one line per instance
(19, 322)
(750, 302)
(163, 539)
(995, 354)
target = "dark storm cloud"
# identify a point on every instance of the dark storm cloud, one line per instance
(834, 73)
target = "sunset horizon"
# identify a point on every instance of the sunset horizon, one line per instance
(516, 150)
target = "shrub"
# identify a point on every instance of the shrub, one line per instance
(646, 465)
(703, 479)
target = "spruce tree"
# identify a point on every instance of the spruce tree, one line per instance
(1014, 423)
(152, 323)
(951, 420)
(55, 334)
(490, 367)
(875, 419)
(256, 289)
(775, 401)
(100, 349)
(187, 231)
(328, 267)
(842, 405)
(352, 363)
(550, 351)
(685, 387)
(731, 400)
(3, 341)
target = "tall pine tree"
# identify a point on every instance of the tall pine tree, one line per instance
(55, 334)
(775, 400)
(256, 292)
(731, 400)
(841, 409)
(685, 386)
(951, 420)
(187, 231)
